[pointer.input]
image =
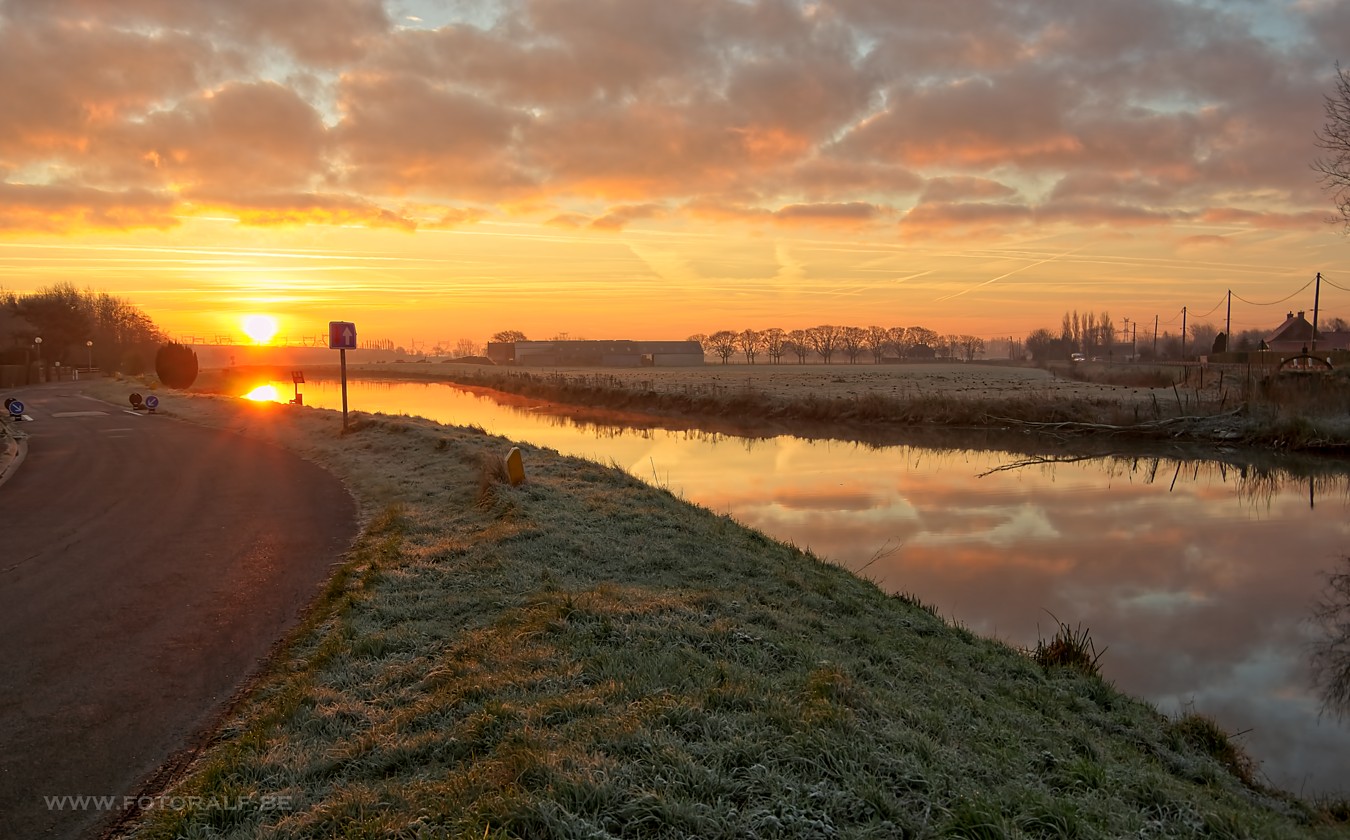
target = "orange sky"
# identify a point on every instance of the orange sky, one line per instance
(441, 171)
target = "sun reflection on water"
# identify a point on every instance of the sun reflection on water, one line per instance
(264, 393)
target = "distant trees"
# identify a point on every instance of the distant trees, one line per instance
(878, 340)
(465, 348)
(823, 339)
(826, 341)
(1202, 338)
(1044, 345)
(68, 320)
(750, 342)
(775, 343)
(507, 336)
(852, 340)
(1091, 333)
(723, 343)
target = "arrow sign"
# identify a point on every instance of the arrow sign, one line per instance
(341, 335)
(15, 407)
(152, 403)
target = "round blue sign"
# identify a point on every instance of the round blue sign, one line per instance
(152, 402)
(15, 407)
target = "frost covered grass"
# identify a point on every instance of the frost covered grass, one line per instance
(584, 655)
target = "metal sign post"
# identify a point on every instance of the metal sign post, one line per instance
(342, 337)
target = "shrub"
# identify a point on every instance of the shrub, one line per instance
(176, 365)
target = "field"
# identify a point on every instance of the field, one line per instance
(789, 382)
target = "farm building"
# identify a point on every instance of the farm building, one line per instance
(617, 353)
(1296, 333)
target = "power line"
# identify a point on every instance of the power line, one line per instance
(1329, 283)
(1276, 302)
(1216, 306)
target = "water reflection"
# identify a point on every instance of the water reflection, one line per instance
(1331, 645)
(1198, 574)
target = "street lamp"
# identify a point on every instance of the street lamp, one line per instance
(37, 350)
(90, 346)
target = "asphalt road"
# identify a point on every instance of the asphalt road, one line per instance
(147, 566)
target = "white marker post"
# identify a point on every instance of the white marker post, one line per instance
(342, 337)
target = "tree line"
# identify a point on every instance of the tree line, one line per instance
(1095, 336)
(77, 327)
(828, 342)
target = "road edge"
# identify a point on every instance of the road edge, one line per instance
(15, 450)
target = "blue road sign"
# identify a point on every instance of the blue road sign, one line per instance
(341, 335)
(152, 402)
(15, 407)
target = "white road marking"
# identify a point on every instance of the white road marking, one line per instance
(80, 414)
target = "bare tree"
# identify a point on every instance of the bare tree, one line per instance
(775, 340)
(1107, 329)
(1202, 336)
(898, 339)
(878, 338)
(509, 336)
(922, 337)
(465, 347)
(1334, 139)
(799, 344)
(723, 343)
(701, 339)
(971, 347)
(751, 342)
(824, 339)
(852, 340)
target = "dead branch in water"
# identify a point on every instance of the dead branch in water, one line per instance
(1038, 460)
(1133, 428)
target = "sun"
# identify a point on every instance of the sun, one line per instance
(260, 328)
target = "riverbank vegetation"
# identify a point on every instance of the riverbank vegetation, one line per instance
(1232, 405)
(584, 655)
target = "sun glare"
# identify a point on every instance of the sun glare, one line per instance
(260, 328)
(263, 393)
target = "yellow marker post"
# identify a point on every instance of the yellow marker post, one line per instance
(515, 467)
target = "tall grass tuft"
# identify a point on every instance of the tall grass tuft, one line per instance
(1202, 733)
(492, 474)
(1070, 647)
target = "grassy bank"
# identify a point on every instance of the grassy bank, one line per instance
(584, 655)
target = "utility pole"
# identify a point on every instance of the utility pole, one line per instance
(1134, 343)
(1228, 323)
(1317, 296)
(1183, 333)
(1155, 338)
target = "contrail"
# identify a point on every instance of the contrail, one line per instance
(1009, 274)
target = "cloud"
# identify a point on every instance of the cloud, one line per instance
(849, 213)
(976, 113)
(617, 218)
(58, 209)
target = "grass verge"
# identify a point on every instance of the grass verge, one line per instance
(583, 655)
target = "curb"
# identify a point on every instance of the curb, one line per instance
(15, 449)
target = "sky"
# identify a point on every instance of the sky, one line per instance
(652, 169)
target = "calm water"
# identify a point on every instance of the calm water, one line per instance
(1198, 576)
